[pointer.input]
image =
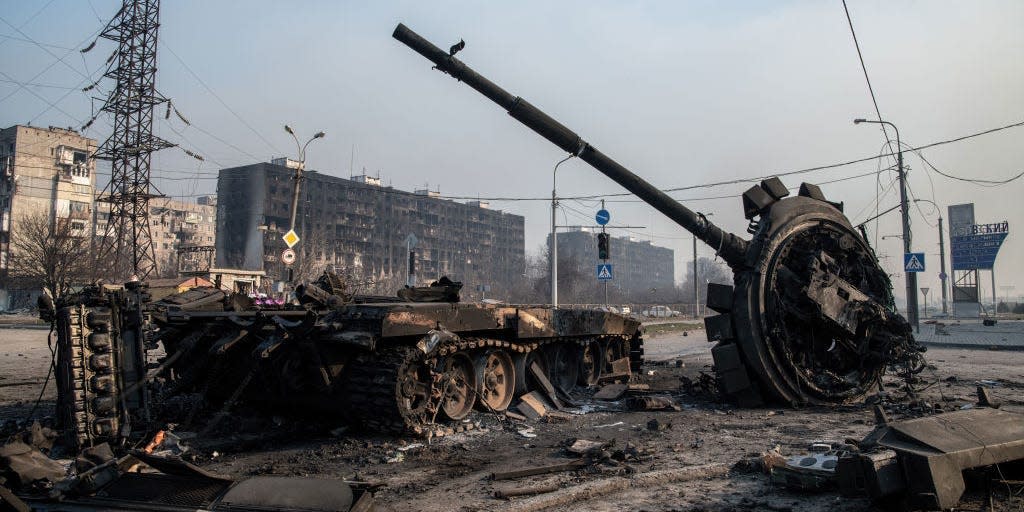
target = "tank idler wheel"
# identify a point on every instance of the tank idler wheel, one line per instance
(524, 378)
(591, 358)
(458, 386)
(563, 366)
(417, 399)
(495, 380)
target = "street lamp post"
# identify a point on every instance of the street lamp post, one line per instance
(911, 277)
(942, 254)
(553, 250)
(696, 291)
(298, 177)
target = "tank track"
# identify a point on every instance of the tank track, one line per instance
(88, 406)
(373, 386)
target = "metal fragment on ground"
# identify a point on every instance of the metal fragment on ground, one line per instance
(924, 458)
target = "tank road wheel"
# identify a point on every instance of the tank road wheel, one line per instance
(591, 358)
(524, 378)
(495, 380)
(563, 365)
(458, 386)
(614, 349)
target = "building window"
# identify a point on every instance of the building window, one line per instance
(78, 208)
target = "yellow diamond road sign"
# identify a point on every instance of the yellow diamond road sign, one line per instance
(290, 238)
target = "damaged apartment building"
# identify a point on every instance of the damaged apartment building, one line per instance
(359, 227)
(182, 232)
(44, 173)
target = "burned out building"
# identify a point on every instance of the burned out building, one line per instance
(358, 226)
(638, 265)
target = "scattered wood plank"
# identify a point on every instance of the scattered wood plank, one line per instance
(525, 491)
(545, 384)
(532, 406)
(539, 470)
(582, 446)
(559, 417)
(514, 415)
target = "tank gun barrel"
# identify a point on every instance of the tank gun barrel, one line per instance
(729, 246)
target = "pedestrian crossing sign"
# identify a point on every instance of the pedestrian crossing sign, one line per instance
(604, 272)
(913, 262)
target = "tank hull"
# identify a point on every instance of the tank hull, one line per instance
(390, 366)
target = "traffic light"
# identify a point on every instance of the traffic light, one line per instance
(602, 246)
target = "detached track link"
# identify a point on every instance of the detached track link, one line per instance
(372, 388)
(86, 368)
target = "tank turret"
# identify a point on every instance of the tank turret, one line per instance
(810, 317)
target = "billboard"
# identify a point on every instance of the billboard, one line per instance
(977, 246)
(961, 217)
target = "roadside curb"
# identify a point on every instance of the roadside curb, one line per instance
(24, 326)
(976, 346)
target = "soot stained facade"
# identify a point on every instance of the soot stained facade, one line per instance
(359, 226)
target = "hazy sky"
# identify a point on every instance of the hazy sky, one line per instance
(682, 93)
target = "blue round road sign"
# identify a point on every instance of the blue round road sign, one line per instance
(602, 217)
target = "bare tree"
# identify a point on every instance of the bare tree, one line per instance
(708, 271)
(51, 253)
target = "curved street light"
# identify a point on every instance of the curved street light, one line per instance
(911, 277)
(299, 170)
(553, 250)
(298, 185)
(942, 254)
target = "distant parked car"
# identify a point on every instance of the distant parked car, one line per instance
(660, 312)
(626, 310)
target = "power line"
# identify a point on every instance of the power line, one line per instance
(13, 38)
(41, 98)
(976, 181)
(44, 70)
(225, 105)
(34, 84)
(44, 48)
(867, 79)
(66, 94)
(759, 178)
(30, 18)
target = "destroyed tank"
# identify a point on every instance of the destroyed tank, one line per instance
(395, 364)
(810, 317)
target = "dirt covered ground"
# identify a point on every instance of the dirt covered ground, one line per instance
(667, 460)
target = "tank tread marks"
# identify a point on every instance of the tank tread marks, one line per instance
(400, 388)
(88, 402)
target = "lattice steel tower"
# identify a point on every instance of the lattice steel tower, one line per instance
(127, 243)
